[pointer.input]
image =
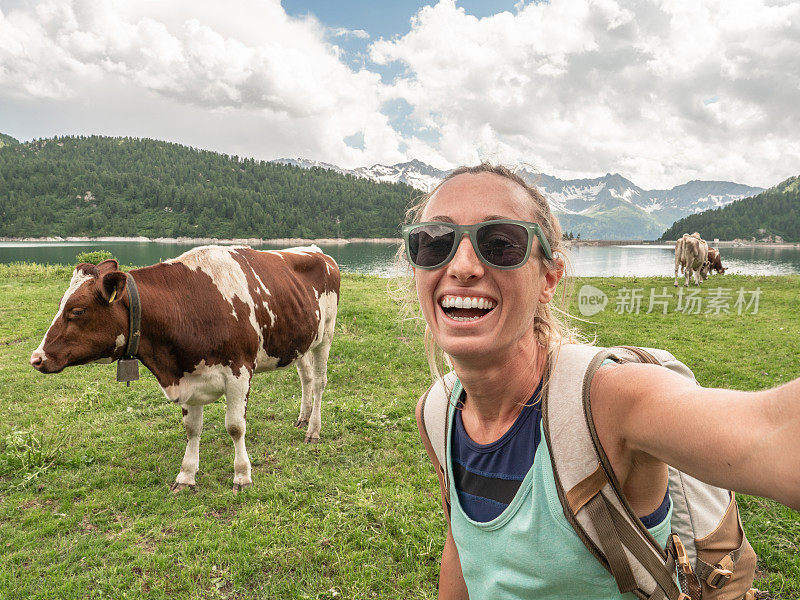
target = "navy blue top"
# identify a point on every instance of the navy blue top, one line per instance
(487, 476)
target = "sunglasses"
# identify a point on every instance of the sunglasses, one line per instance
(502, 243)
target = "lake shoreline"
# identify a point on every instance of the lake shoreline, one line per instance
(344, 241)
(206, 240)
(645, 243)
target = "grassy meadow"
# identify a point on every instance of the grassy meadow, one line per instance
(86, 463)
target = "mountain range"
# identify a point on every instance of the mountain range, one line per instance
(771, 216)
(607, 207)
(95, 185)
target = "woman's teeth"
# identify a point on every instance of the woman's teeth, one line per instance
(465, 308)
(467, 302)
(455, 318)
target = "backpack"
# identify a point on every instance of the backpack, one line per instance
(707, 546)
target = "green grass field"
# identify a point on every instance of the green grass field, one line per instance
(86, 463)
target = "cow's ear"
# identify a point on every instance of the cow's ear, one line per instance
(112, 286)
(88, 269)
(108, 265)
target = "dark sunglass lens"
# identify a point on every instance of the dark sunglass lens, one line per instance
(430, 245)
(503, 244)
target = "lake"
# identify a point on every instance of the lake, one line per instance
(378, 258)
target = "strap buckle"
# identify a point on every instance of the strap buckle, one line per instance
(683, 596)
(719, 577)
(681, 557)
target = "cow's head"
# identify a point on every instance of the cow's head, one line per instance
(90, 325)
(705, 270)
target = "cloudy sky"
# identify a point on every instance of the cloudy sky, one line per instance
(662, 91)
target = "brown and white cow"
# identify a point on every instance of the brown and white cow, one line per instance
(715, 261)
(691, 255)
(210, 319)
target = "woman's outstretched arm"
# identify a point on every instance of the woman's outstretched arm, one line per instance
(743, 441)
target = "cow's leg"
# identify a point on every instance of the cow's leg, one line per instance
(193, 422)
(237, 390)
(677, 263)
(305, 369)
(320, 361)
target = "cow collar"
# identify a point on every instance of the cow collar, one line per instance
(135, 311)
(128, 365)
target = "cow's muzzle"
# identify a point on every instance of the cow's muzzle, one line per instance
(37, 359)
(40, 362)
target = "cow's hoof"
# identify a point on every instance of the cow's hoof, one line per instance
(311, 439)
(179, 487)
(238, 487)
(301, 423)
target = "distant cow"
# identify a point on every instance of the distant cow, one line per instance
(691, 254)
(715, 261)
(210, 319)
(679, 244)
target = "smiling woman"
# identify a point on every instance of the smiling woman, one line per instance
(502, 463)
(518, 293)
(486, 187)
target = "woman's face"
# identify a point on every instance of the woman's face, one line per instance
(503, 318)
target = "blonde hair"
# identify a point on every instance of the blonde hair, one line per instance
(551, 330)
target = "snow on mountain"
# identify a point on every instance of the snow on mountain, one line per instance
(582, 196)
(586, 196)
(305, 163)
(654, 206)
(414, 173)
(591, 205)
(623, 195)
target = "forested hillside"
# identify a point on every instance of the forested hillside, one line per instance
(102, 186)
(7, 140)
(772, 213)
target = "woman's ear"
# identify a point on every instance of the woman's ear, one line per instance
(551, 279)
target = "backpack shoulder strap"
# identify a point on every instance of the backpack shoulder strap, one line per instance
(654, 356)
(433, 421)
(590, 494)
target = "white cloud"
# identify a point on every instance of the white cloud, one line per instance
(581, 87)
(344, 32)
(250, 58)
(660, 90)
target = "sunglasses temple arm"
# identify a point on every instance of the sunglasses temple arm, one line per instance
(548, 252)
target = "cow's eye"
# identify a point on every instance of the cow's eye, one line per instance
(76, 312)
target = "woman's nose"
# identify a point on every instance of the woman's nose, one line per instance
(465, 264)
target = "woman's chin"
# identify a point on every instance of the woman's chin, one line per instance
(472, 348)
(467, 337)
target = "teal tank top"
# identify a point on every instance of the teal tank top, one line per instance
(530, 551)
